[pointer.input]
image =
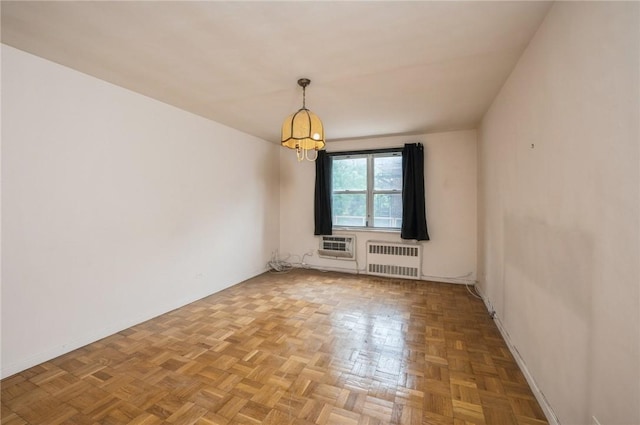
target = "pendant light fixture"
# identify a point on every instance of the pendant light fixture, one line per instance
(303, 130)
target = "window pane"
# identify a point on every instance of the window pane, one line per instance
(387, 173)
(349, 209)
(349, 174)
(387, 210)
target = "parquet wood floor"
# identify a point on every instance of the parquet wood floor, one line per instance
(299, 348)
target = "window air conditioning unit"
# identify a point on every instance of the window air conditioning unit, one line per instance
(340, 247)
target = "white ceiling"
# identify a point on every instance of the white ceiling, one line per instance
(377, 68)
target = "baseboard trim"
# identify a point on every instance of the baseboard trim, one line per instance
(331, 269)
(423, 278)
(551, 416)
(455, 280)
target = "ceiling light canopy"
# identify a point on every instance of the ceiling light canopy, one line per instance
(303, 131)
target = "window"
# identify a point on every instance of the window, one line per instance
(367, 189)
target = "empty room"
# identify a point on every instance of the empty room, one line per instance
(322, 212)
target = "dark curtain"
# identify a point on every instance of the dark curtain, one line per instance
(322, 199)
(414, 219)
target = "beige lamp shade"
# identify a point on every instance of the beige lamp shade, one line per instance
(303, 131)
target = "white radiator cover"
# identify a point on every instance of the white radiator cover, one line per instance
(394, 260)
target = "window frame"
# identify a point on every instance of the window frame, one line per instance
(370, 191)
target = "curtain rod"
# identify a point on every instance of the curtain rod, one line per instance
(365, 151)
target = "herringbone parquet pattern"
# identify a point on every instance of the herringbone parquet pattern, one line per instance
(300, 348)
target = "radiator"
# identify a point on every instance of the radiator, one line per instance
(394, 260)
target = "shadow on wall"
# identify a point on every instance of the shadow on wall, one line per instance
(548, 284)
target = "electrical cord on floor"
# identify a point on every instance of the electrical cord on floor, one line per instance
(473, 291)
(471, 287)
(276, 265)
(476, 293)
(462, 276)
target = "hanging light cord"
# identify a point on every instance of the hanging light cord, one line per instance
(304, 94)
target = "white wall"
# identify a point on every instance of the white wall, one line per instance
(559, 190)
(450, 185)
(117, 208)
